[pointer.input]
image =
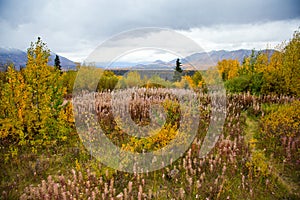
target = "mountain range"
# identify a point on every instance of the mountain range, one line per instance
(19, 59)
(202, 60)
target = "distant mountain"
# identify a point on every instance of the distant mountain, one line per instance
(201, 60)
(11, 55)
(115, 65)
(65, 63)
(205, 60)
(19, 59)
(158, 64)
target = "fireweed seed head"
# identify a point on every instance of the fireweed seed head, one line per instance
(170, 108)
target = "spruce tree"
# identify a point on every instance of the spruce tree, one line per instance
(57, 63)
(178, 71)
(178, 66)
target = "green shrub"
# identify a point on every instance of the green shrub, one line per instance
(108, 81)
(238, 84)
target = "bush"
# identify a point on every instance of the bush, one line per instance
(68, 81)
(280, 130)
(238, 84)
(108, 81)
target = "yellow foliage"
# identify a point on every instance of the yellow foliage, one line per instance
(160, 138)
(31, 110)
(189, 80)
(262, 62)
(228, 69)
(77, 165)
(13, 103)
(67, 114)
(183, 83)
(212, 76)
(87, 78)
(283, 122)
(258, 164)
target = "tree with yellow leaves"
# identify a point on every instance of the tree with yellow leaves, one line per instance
(196, 81)
(31, 101)
(272, 75)
(44, 85)
(228, 68)
(282, 75)
(291, 65)
(13, 106)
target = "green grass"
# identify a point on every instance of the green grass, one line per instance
(28, 168)
(286, 176)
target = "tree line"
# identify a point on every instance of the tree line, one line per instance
(263, 73)
(32, 99)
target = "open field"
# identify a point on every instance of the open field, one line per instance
(231, 132)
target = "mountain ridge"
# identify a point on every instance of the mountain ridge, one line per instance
(199, 61)
(19, 59)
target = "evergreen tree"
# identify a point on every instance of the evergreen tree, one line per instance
(178, 71)
(57, 63)
(178, 66)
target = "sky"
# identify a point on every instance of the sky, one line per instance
(75, 28)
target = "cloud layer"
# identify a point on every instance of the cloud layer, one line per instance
(75, 28)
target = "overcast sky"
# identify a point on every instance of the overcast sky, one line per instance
(74, 28)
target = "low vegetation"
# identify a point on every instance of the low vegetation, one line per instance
(255, 157)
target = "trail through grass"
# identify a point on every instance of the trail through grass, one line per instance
(277, 169)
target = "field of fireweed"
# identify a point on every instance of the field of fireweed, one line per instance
(148, 137)
(237, 167)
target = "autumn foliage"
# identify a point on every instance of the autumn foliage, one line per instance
(280, 131)
(265, 72)
(256, 155)
(32, 110)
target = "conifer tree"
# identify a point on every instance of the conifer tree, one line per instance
(57, 63)
(178, 71)
(178, 66)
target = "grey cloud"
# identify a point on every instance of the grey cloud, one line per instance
(116, 15)
(74, 24)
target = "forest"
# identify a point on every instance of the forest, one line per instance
(256, 156)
